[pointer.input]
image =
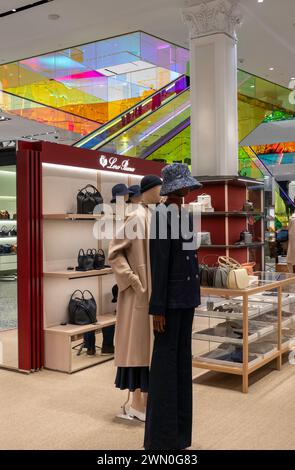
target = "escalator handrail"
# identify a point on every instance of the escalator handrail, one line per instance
(132, 108)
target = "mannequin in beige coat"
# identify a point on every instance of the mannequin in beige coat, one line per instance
(129, 259)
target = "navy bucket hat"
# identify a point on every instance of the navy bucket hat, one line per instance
(134, 190)
(177, 176)
(119, 190)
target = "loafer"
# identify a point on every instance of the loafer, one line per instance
(133, 413)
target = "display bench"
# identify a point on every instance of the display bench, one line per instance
(240, 331)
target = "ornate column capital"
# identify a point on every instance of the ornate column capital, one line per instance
(215, 16)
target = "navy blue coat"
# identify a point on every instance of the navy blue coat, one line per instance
(174, 270)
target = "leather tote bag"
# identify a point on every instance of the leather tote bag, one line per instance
(13, 231)
(85, 260)
(87, 199)
(237, 276)
(82, 310)
(98, 257)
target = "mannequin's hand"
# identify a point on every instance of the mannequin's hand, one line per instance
(159, 323)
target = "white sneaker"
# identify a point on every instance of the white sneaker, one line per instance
(133, 413)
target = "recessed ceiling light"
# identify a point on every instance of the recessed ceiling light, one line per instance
(53, 16)
(252, 86)
(271, 68)
(260, 1)
(14, 10)
(292, 78)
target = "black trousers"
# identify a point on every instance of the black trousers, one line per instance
(169, 408)
(107, 337)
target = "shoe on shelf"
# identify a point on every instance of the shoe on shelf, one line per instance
(133, 413)
(107, 350)
(91, 352)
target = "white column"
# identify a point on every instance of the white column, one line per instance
(213, 73)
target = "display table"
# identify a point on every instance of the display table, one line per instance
(242, 330)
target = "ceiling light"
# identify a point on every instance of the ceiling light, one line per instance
(14, 10)
(252, 86)
(53, 16)
(260, 1)
(271, 68)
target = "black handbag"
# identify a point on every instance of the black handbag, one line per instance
(4, 231)
(85, 260)
(99, 259)
(82, 311)
(87, 199)
(13, 232)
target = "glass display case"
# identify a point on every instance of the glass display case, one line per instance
(239, 331)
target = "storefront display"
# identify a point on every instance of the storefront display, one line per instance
(62, 251)
(239, 331)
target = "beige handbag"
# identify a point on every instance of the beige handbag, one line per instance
(238, 277)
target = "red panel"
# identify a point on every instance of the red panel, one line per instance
(216, 226)
(24, 262)
(239, 254)
(217, 193)
(236, 225)
(210, 255)
(30, 309)
(236, 197)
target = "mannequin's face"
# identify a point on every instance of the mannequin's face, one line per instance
(152, 196)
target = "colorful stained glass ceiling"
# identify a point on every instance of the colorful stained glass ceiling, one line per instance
(96, 81)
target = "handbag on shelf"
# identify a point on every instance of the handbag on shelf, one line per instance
(4, 215)
(205, 238)
(98, 257)
(14, 248)
(213, 276)
(82, 310)
(237, 275)
(205, 201)
(4, 231)
(248, 206)
(85, 260)
(87, 199)
(13, 231)
(249, 267)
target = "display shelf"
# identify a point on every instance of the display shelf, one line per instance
(232, 214)
(263, 329)
(73, 216)
(72, 274)
(235, 246)
(103, 320)
(253, 312)
(7, 254)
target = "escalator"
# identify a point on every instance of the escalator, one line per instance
(142, 114)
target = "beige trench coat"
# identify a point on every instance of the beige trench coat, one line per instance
(131, 265)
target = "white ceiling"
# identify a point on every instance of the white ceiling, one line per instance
(266, 39)
(17, 128)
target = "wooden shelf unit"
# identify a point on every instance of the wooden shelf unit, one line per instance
(225, 224)
(246, 368)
